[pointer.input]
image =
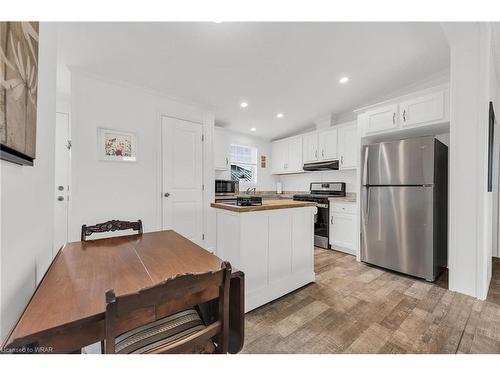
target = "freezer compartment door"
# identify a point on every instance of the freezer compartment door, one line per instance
(405, 162)
(397, 229)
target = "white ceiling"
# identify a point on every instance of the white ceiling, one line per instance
(292, 68)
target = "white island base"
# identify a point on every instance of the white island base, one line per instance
(273, 247)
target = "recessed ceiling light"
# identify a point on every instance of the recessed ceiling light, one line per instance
(343, 79)
(279, 115)
(253, 129)
(243, 104)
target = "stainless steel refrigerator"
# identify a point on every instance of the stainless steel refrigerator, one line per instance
(404, 206)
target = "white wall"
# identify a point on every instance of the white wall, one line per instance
(265, 180)
(300, 182)
(103, 190)
(470, 236)
(27, 206)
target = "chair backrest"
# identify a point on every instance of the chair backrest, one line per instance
(111, 226)
(178, 293)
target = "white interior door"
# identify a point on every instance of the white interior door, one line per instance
(61, 187)
(182, 161)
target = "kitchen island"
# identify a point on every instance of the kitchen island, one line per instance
(273, 244)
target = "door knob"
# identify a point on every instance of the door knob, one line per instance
(60, 198)
(60, 188)
(166, 195)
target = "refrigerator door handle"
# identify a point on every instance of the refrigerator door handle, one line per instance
(367, 204)
(365, 178)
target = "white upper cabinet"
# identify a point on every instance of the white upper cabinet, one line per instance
(414, 114)
(348, 146)
(279, 155)
(382, 118)
(423, 109)
(334, 143)
(221, 150)
(295, 162)
(327, 144)
(320, 145)
(286, 156)
(310, 142)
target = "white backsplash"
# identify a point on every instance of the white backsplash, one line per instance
(301, 182)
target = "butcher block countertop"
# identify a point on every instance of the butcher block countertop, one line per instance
(266, 205)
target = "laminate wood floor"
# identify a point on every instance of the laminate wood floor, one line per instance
(356, 308)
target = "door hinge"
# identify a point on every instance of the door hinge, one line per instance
(203, 236)
(203, 187)
(68, 145)
(202, 138)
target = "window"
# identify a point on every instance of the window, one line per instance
(244, 164)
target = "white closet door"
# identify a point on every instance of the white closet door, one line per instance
(61, 181)
(182, 177)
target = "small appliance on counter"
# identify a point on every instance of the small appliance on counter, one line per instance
(244, 201)
(321, 192)
(226, 187)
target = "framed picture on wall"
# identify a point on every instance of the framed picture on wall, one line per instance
(18, 91)
(491, 137)
(116, 145)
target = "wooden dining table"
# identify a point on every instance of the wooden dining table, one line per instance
(66, 311)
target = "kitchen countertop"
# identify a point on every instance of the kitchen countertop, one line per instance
(286, 195)
(350, 197)
(266, 205)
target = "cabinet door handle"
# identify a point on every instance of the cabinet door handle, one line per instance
(331, 219)
(404, 115)
(227, 161)
(342, 160)
(394, 118)
(323, 153)
(316, 154)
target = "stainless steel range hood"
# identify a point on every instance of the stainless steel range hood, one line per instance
(321, 166)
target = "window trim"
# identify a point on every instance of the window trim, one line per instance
(255, 165)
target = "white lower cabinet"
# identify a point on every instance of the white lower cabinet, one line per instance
(343, 227)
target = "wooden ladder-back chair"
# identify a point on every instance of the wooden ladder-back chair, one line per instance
(111, 226)
(164, 318)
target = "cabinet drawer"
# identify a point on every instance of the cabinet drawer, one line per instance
(344, 207)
